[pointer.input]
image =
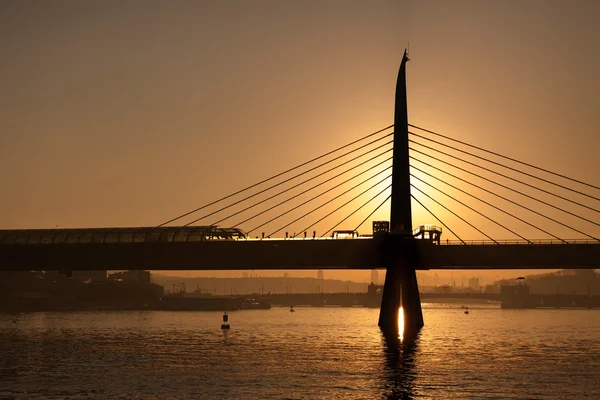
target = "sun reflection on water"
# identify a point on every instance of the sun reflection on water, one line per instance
(401, 324)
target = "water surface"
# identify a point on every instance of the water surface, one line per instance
(313, 353)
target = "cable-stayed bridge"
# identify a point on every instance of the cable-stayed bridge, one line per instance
(520, 216)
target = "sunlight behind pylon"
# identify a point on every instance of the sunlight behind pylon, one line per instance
(401, 324)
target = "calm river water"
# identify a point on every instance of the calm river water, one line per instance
(313, 353)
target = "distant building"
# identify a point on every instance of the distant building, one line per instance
(495, 288)
(244, 274)
(138, 277)
(320, 274)
(89, 276)
(474, 284)
(515, 296)
(443, 289)
(374, 277)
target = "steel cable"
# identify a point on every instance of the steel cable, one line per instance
(455, 214)
(503, 198)
(504, 176)
(277, 175)
(284, 181)
(355, 211)
(471, 208)
(305, 181)
(315, 197)
(505, 157)
(373, 212)
(505, 166)
(439, 220)
(329, 201)
(342, 206)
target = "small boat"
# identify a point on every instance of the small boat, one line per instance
(291, 308)
(466, 310)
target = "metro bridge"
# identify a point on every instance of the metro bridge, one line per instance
(188, 248)
(418, 163)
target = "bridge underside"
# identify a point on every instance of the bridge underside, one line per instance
(291, 254)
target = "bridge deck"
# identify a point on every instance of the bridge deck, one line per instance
(357, 253)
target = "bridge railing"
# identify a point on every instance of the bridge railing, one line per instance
(199, 233)
(118, 235)
(514, 241)
(139, 235)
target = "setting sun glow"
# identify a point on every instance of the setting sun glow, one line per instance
(401, 323)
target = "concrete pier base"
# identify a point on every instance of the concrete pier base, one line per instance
(400, 290)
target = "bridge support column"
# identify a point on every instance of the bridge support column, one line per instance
(400, 290)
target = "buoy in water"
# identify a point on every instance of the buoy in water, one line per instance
(225, 324)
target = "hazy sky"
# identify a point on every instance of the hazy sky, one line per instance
(127, 113)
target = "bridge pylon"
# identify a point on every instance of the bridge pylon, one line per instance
(400, 288)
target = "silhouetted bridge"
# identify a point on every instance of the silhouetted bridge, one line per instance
(419, 166)
(249, 254)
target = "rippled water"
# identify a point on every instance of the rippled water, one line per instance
(313, 353)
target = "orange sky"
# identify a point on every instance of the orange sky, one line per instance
(127, 114)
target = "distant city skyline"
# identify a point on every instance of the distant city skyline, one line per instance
(426, 278)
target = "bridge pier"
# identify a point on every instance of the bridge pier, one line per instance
(411, 302)
(400, 290)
